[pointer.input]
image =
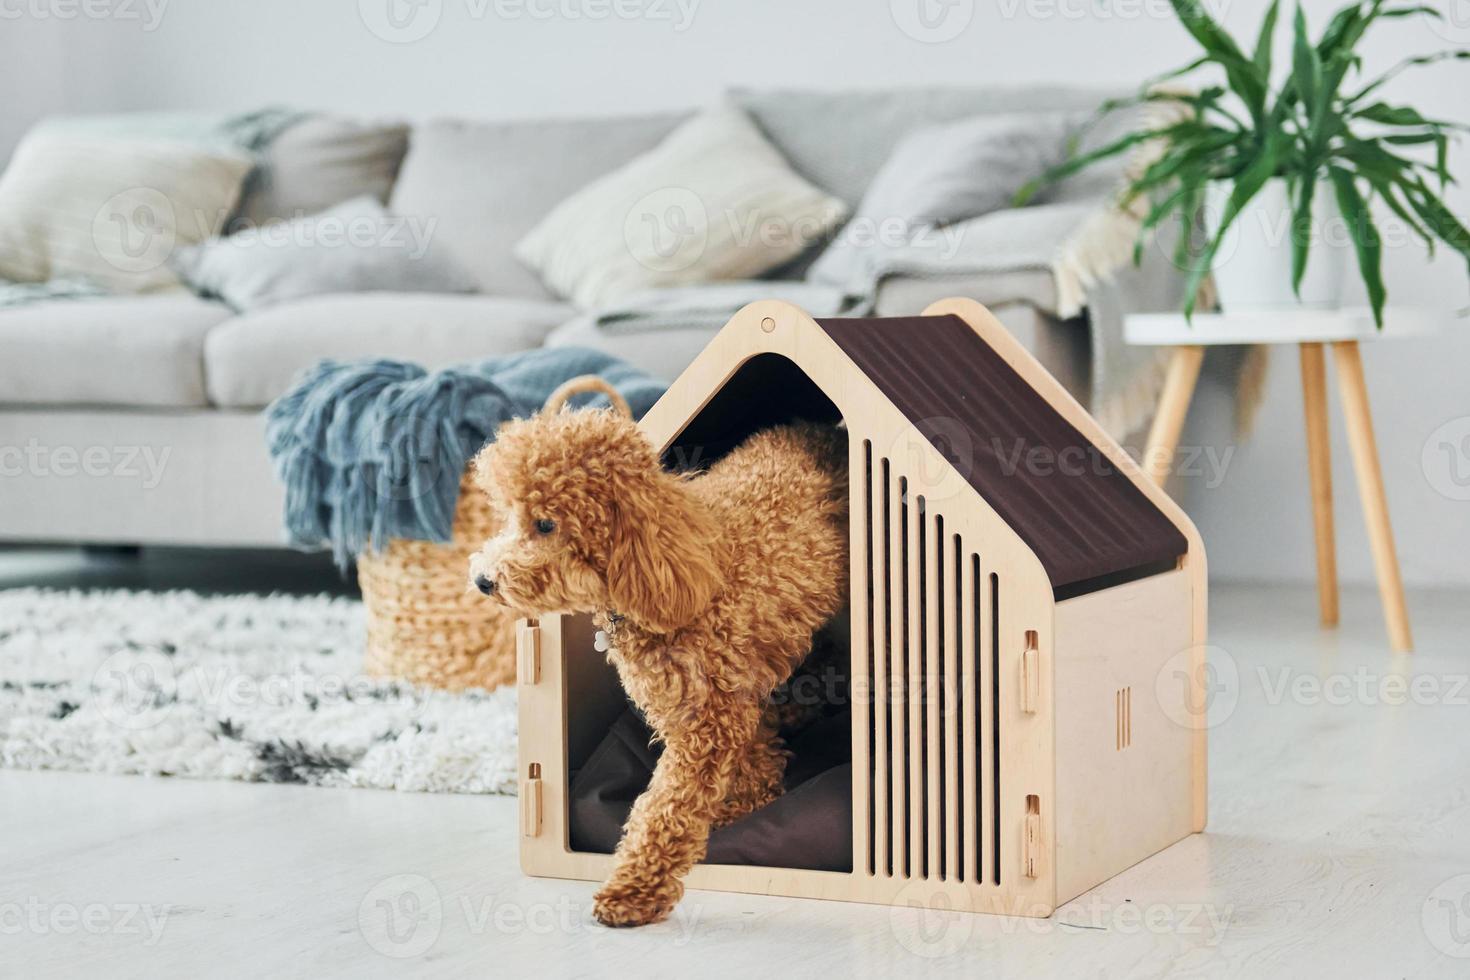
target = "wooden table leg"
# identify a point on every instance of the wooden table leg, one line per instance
(1370, 488)
(1319, 466)
(1163, 435)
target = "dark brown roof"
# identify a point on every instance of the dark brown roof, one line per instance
(1085, 520)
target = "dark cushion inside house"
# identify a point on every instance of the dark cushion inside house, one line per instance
(810, 827)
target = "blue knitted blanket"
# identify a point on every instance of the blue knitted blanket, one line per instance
(374, 450)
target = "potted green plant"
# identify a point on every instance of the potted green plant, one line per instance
(1256, 154)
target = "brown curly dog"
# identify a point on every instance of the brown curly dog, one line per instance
(709, 589)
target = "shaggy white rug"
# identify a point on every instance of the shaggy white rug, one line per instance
(234, 687)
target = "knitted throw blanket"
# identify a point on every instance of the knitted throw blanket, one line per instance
(375, 450)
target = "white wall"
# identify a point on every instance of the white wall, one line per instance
(507, 58)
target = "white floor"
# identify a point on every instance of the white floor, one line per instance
(1339, 845)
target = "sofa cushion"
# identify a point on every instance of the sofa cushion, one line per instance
(321, 161)
(126, 350)
(253, 358)
(485, 185)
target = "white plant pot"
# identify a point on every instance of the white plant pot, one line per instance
(1252, 269)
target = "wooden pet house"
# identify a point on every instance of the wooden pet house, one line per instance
(1026, 627)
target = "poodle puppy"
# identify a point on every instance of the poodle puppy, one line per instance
(709, 589)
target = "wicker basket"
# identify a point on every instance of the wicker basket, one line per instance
(425, 623)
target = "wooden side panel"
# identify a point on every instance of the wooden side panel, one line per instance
(1124, 729)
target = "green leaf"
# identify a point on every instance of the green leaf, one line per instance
(1411, 11)
(1306, 63)
(1338, 29)
(1120, 145)
(1436, 216)
(1179, 157)
(1264, 40)
(1339, 56)
(1156, 215)
(1385, 190)
(1188, 221)
(1169, 76)
(1211, 36)
(1407, 63)
(1367, 243)
(1301, 230)
(1369, 156)
(1242, 74)
(1381, 112)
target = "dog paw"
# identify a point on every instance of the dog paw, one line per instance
(621, 906)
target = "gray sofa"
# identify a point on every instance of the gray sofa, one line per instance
(137, 419)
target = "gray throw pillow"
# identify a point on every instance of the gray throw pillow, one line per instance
(938, 175)
(354, 247)
(318, 162)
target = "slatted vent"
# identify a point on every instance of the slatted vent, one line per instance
(1123, 699)
(933, 781)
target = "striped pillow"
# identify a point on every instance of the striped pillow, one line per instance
(110, 211)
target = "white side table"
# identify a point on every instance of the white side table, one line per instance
(1311, 331)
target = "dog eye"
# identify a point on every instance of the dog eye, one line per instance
(545, 526)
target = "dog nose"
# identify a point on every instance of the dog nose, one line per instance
(485, 584)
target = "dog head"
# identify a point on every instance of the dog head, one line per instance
(591, 521)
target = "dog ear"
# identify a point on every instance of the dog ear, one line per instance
(661, 569)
